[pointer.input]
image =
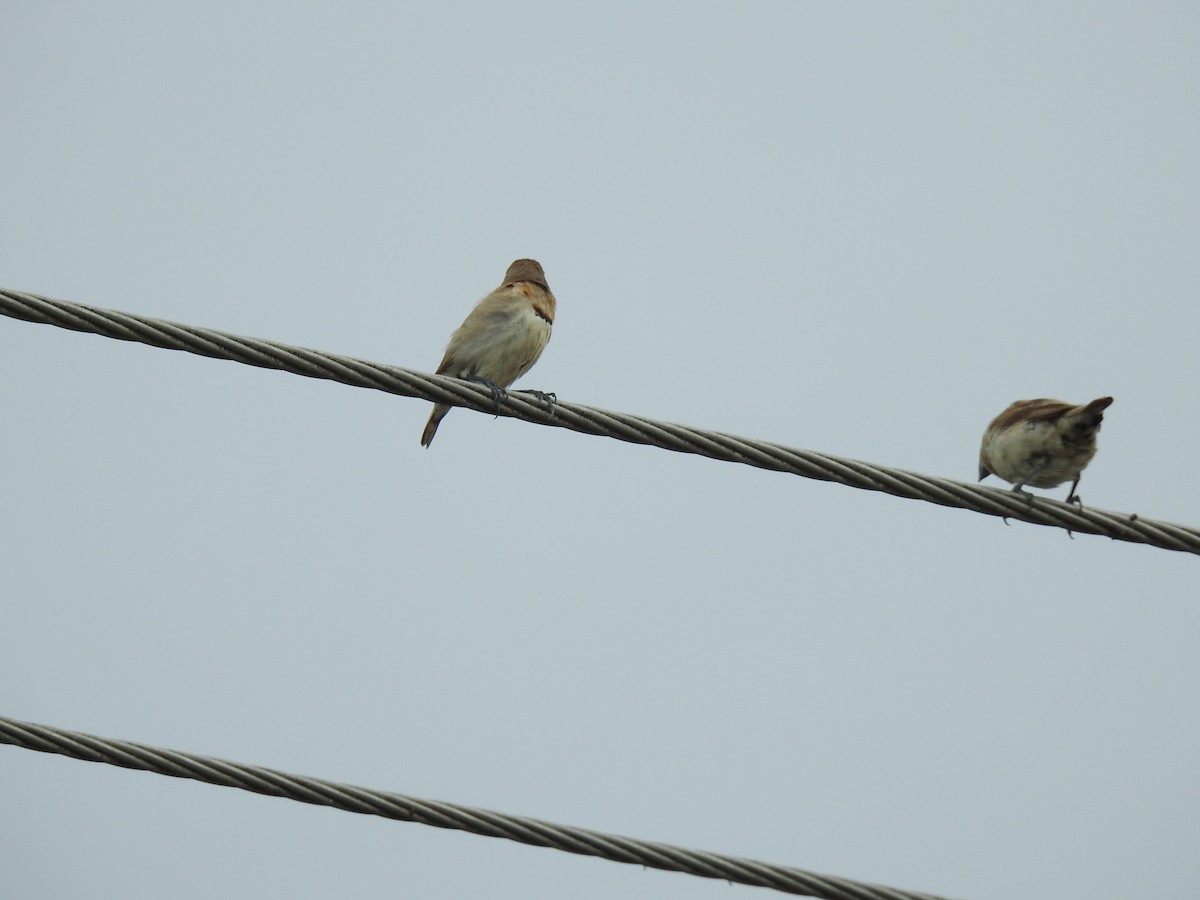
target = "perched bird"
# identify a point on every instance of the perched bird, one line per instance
(1042, 443)
(502, 337)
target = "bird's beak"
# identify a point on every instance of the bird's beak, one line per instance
(983, 473)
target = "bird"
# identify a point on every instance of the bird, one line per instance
(1042, 443)
(501, 338)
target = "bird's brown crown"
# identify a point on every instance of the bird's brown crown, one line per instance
(526, 270)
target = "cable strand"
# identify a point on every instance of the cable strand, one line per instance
(589, 420)
(350, 798)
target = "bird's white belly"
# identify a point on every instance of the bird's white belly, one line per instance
(504, 351)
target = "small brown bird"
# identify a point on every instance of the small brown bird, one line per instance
(501, 338)
(1042, 443)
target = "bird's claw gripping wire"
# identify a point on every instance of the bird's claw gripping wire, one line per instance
(1073, 497)
(547, 397)
(1020, 489)
(497, 391)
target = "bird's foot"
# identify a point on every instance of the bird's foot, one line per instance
(497, 391)
(1073, 497)
(547, 397)
(1020, 489)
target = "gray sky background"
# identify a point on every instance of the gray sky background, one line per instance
(861, 229)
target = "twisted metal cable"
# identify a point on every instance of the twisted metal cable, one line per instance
(589, 420)
(441, 815)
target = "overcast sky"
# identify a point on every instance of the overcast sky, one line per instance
(862, 229)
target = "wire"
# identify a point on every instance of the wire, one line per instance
(441, 815)
(589, 420)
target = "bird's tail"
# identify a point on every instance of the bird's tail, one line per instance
(1085, 420)
(435, 419)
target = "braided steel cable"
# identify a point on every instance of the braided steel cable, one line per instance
(441, 815)
(589, 420)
